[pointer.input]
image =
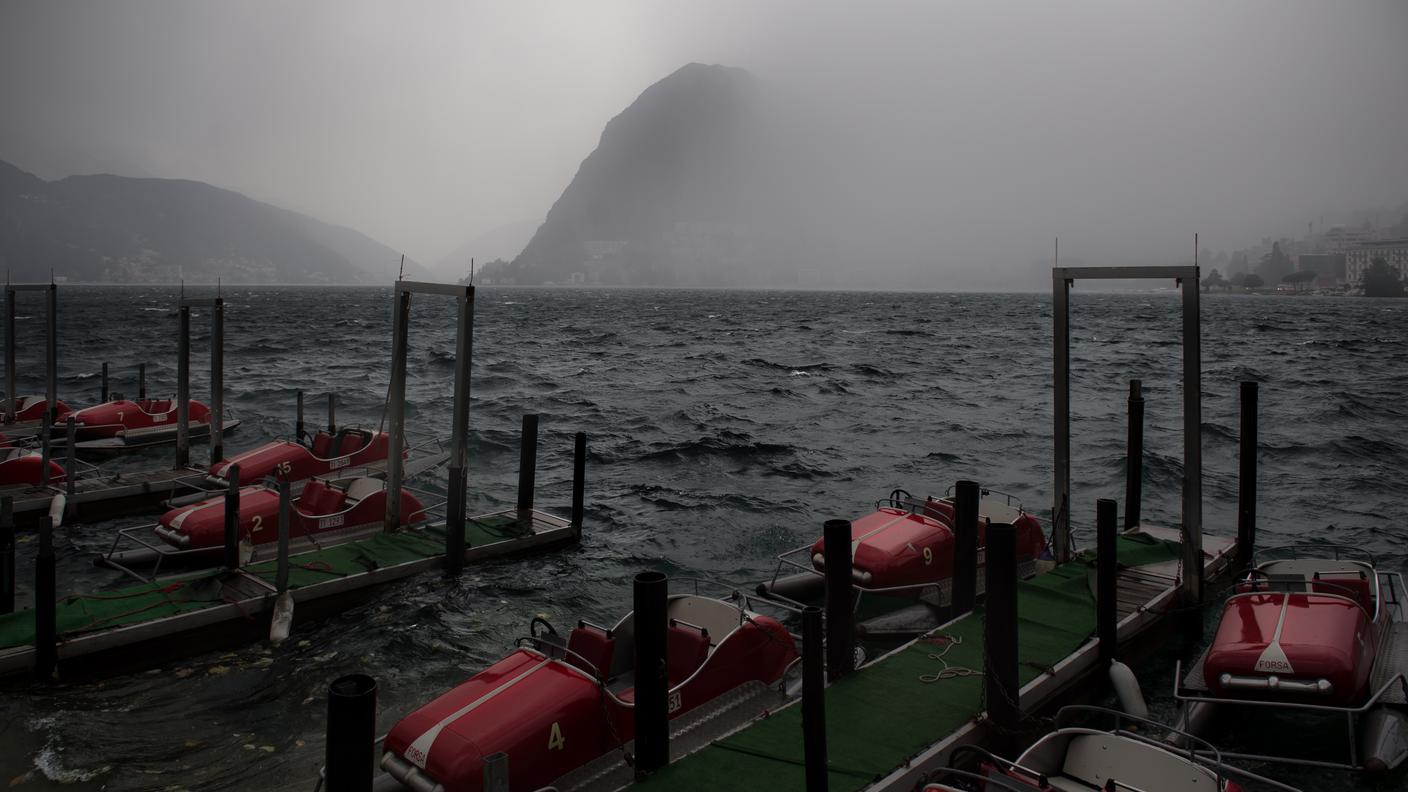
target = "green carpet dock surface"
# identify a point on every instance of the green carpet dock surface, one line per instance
(86, 613)
(882, 715)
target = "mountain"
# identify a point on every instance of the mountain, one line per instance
(667, 197)
(501, 242)
(115, 229)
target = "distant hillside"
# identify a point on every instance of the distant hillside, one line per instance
(664, 199)
(501, 242)
(117, 229)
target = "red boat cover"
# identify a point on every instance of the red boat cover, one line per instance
(1297, 635)
(900, 548)
(28, 469)
(294, 461)
(32, 409)
(106, 420)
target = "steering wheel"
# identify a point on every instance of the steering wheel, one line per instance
(896, 495)
(533, 627)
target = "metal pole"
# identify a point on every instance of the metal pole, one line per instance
(1192, 444)
(351, 733)
(527, 463)
(45, 449)
(104, 394)
(141, 381)
(579, 480)
(332, 397)
(281, 576)
(7, 554)
(183, 389)
(46, 628)
(1106, 562)
(1134, 456)
(496, 772)
(840, 598)
(51, 357)
(965, 546)
(459, 437)
(652, 716)
(232, 520)
(1001, 692)
(217, 382)
(1061, 379)
(11, 400)
(396, 405)
(813, 700)
(298, 422)
(1246, 477)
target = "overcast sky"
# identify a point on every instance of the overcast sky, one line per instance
(1123, 127)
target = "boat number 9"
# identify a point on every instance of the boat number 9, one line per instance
(555, 741)
(285, 466)
(928, 556)
(258, 523)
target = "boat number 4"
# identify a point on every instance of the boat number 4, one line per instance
(555, 740)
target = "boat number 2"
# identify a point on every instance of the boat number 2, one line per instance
(555, 740)
(928, 556)
(258, 523)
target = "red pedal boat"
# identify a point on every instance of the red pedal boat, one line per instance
(901, 552)
(326, 454)
(124, 418)
(555, 705)
(18, 466)
(31, 408)
(1316, 629)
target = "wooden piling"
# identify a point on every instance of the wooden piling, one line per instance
(840, 599)
(298, 431)
(965, 546)
(652, 717)
(103, 392)
(141, 381)
(813, 701)
(7, 554)
(1106, 575)
(579, 480)
(527, 462)
(12, 400)
(217, 381)
(46, 626)
(183, 388)
(232, 520)
(351, 748)
(1134, 457)
(1001, 692)
(1246, 477)
(281, 575)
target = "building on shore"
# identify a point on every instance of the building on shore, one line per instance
(1328, 268)
(1358, 259)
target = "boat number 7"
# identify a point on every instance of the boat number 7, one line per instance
(555, 740)
(928, 556)
(119, 416)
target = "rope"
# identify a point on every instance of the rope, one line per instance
(948, 671)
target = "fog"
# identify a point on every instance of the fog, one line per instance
(954, 137)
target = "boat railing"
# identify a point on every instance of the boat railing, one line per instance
(1337, 552)
(983, 492)
(788, 559)
(1189, 697)
(134, 534)
(939, 781)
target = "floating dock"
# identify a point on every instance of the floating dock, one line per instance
(118, 628)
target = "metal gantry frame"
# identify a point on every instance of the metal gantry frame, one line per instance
(51, 351)
(1192, 507)
(217, 379)
(396, 409)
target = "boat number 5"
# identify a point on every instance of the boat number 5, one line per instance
(928, 556)
(555, 741)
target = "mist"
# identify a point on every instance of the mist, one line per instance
(956, 138)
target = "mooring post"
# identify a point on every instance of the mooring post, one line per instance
(396, 409)
(51, 357)
(103, 395)
(459, 436)
(840, 599)
(232, 519)
(11, 399)
(281, 576)
(1246, 477)
(1061, 435)
(527, 464)
(652, 713)
(1134, 457)
(351, 733)
(496, 772)
(332, 399)
(183, 389)
(579, 481)
(1001, 692)
(813, 700)
(45, 449)
(1106, 572)
(70, 465)
(965, 546)
(1192, 445)
(298, 422)
(141, 381)
(46, 627)
(217, 382)
(7, 554)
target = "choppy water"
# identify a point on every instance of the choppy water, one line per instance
(724, 428)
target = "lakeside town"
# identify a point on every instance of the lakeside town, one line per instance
(1357, 260)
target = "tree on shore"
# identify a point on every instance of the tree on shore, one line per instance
(1297, 280)
(1213, 280)
(1381, 280)
(1252, 281)
(1274, 265)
